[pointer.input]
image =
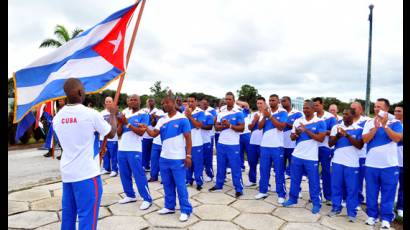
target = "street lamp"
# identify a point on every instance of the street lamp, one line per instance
(369, 57)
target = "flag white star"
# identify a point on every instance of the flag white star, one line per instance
(116, 43)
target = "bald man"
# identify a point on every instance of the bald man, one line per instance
(110, 165)
(76, 125)
(333, 110)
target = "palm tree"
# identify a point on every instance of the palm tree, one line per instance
(62, 37)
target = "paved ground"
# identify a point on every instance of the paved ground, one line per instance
(39, 207)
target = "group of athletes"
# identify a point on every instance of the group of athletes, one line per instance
(176, 142)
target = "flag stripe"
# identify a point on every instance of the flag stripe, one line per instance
(74, 45)
(55, 88)
(77, 68)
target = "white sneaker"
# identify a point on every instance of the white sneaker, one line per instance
(145, 205)
(287, 177)
(164, 211)
(261, 195)
(344, 204)
(127, 200)
(371, 221)
(249, 184)
(281, 200)
(304, 178)
(358, 208)
(183, 217)
(207, 179)
(228, 170)
(113, 174)
(400, 213)
(385, 225)
(300, 195)
(104, 172)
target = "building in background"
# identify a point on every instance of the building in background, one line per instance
(297, 103)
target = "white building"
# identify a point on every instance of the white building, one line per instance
(297, 103)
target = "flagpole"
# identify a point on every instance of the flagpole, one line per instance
(117, 94)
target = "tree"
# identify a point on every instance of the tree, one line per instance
(62, 35)
(158, 93)
(249, 94)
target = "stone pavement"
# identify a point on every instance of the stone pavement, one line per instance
(39, 208)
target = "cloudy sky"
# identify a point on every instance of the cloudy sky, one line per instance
(296, 48)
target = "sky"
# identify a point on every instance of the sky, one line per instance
(294, 48)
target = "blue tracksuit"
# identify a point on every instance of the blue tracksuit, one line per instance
(228, 154)
(208, 146)
(399, 204)
(146, 152)
(287, 142)
(244, 146)
(197, 166)
(110, 157)
(155, 154)
(81, 198)
(253, 158)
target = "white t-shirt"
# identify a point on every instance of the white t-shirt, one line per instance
(171, 131)
(344, 152)
(157, 139)
(306, 148)
(361, 122)
(273, 137)
(229, 136)
(153, 111)
(106, 116)
(196, 135)
(381, 150)
(247, 120)
(207, 134)
(256, 135)
(75, 127)
(130, 141)
(330, 121)
(292, 116)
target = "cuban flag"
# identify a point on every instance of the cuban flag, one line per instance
(96, 57)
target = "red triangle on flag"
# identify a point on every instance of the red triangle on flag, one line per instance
(111, 47)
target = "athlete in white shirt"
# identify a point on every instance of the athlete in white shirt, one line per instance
(382, 171)
(175, 132)
(110, 162)
(325, 152)
(230, 122)
(398, 113)
(130, 153)
(156, 149)
(255, 141)
(273, 122)
(308, 131)
(207, 131)
(347, 139)
(75, 125)
(195, 116)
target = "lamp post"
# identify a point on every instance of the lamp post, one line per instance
(369, 58)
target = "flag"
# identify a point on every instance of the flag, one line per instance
(95, 57)
(43, 108)
(24, 124)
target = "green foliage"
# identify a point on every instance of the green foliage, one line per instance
(158, 92)
(62, 35)
(249, 94)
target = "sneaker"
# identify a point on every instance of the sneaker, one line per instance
(328, 202)
(400, 213)
(113, 174)
(147, 169)
(351, 219)
(215, 189)
(189, 183)
(127, 200)
(59, 158)
(315, 209)
(199, 187)
(152, 180)
(300, 195)
(228, 170)
(344, 204)
(48, 154)
(238, 194)
(385, 224)
(164, 211)
(261, 195)
(333, 213)
(249, 184)
(371, 221)
(281, 200)
(145, 205)
(184, 217)
(358, 208)
(288, 203)
(207, 179)
(304, 178)
(104, 172)
(287, 177)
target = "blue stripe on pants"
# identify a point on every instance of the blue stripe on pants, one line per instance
(344, 177)
(297, 169)
(146, 152)
(382, 180)
(325, 157)
(228, 154)
(197, 166)
(253, 158)
(155, 153)
(173, 176)
(208, 158)
(271, 156)
(81, 198)
(130, 164)
(244, 140)
(362, 170)
(287, 159)
(110, 157)
(399, 204)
